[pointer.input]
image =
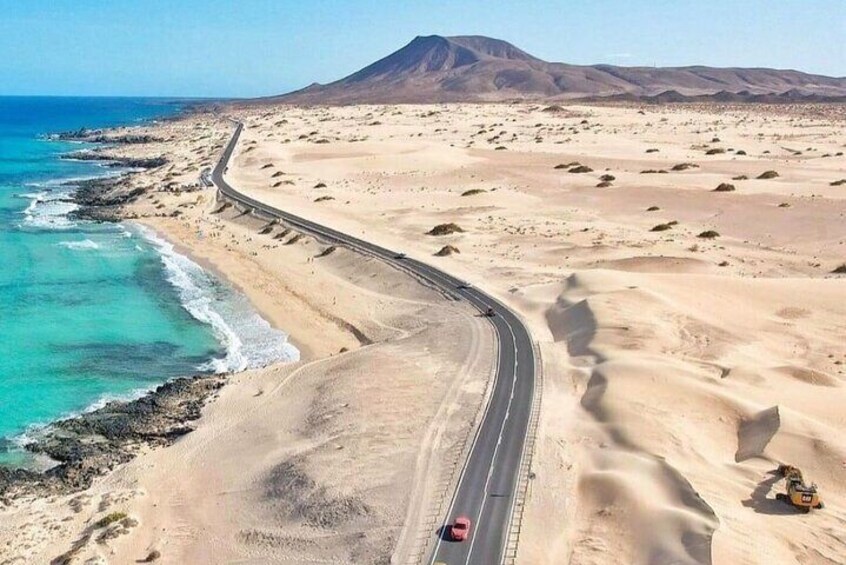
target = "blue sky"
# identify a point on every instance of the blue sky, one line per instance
(261, 47)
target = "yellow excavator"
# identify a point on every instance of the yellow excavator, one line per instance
(799, 494)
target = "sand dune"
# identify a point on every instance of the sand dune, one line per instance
(755, 433)
(679, 370)
(669, 382)
(681, 364)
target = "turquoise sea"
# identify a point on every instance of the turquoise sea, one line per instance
(90, 312)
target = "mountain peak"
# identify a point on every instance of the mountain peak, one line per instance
(424, 54)
(434, 68)
(436, 53)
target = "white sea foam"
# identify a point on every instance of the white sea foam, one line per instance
(104, 399)
(249, 339)
(52, 203)
(35, 430)
(49, 210)
(67, 183)
(80, 244)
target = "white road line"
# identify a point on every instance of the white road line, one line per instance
(498, 442)
(438, 279)
(523, 451)
(469, 456)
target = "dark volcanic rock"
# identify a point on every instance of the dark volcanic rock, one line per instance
(101, 200)
(99, 214)
(141, 163)
(80, 134)
(94, 443)
(100, 136)
(102, 192)
(117, 161)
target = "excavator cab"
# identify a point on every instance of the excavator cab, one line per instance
(799, 494)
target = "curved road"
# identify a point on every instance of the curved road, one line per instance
(488, 481)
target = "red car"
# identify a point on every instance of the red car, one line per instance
(460, 530)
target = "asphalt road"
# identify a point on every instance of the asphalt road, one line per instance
(489, 478)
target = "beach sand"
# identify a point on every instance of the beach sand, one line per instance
(680, 367)
(344, 457)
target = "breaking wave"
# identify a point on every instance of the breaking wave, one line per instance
(249, 339)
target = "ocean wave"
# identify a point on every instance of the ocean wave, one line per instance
(52, 202)
(249, 339)
(49, 210)
(79, 244)
(71, 182)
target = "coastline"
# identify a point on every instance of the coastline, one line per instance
(155, 418)
(224, 271)
(664, 351)
(726, 310)
(381, 357)
(171, 406)
(93, 443)
(73, 469)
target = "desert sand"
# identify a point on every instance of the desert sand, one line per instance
(345, 457)
(681, 366)
(692, 339)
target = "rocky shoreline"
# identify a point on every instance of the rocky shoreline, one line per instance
(87, 135)
(115, 161)
(103, 199)
(92, 444)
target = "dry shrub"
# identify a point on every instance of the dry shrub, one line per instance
(445, 229)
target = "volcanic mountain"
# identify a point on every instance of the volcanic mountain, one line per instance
(479, 69)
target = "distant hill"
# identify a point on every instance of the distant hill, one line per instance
(479, 69)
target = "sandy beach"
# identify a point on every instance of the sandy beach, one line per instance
(345, 449)
(676, 265)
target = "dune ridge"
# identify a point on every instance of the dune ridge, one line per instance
(678, 370)
(662, 351)
(676, 432)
